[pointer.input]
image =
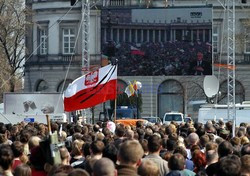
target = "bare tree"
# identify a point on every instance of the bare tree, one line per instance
(12, 41)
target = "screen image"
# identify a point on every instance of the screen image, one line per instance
(158, 41)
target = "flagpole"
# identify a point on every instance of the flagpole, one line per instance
(115, 110)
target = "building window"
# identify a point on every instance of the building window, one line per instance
(42, 86)
(63, 85)
(239, 92)
(43, 41)
(68, 40)
(247, 40)
(215, 39)
(170, 97)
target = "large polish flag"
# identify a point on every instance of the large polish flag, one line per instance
(91, 89)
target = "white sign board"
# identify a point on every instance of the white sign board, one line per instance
(33, 103)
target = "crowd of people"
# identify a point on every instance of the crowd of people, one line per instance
(108, 149)
(159, 58)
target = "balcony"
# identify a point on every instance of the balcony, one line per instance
(54, 60)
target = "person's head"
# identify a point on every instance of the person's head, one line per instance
(245, 150)
(148, 168)
(120, 131)
(60, 169)
(34, 142)
(25, 136)
(176, 162)
(97, 147)
(199, 56)
(229, 165)
(193, 139)
(245, 165)
(154, 143)
(199, 159)
(104, 166)
(37, 158)
(110, 151)
(6, 157)
(77, 147)
(22, 170)
(211, 146)
(212, 156)
(78, 172)
(171, 144)
(181, 150)
(17, 148)
(130, 134)
(225, 148)
(65, 156)
(130, 153)
(204, 139)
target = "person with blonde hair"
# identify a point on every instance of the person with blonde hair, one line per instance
(76, 153)
(148, 168)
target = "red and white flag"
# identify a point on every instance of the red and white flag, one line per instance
(91, 89)
(136, 51)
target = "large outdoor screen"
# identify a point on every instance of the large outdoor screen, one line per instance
(158, 41)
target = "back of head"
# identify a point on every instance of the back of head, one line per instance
(78, 172)
(148, 168)
(6, 157)
(229, 166)
(193, 138)
(22, 170)
(97, 147)
(245, 164)
(211, 155)
(120, 131)
(104, 167)
(17, 148)
(77, 147)
(225, 148)
(181, 150)
(130, 152)
(154, 143)
(176, 162)
(245, 150)
(34, 142)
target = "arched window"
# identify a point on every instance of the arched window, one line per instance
(63, 85)
(239, 92)
(170, 97)
(42, 86)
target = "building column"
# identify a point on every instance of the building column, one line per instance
(136, 39)
(118, 35)
(166, 35)
(159, 36)
(204, 35)
(183, 34)
(142, 35)
(130, 35)
(105, 35)
(197, 34)
(124, 35)
(174, 34)
(111, 34)
(153, 35)
(147, 35)
(192, 35)
(210, 35)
